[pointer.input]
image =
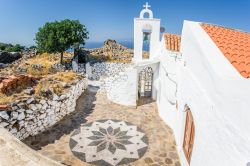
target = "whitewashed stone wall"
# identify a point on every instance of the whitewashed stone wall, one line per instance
(33, 116)
(81, 68)
(117, 80)
(121, 88)
(104, 70)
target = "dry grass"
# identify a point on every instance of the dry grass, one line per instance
(4, 99)
(119, 61)
(55, 82)
(66, 77)
(51, 80)
(45, 60)
(42, 88)
(67, 57)
(57, 88)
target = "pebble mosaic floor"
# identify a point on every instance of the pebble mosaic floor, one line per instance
(108, 142)
(102, 133)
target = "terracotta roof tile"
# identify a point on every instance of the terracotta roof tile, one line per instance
(234, 44)
(172, 42)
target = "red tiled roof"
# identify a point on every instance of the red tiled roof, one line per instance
(234, 44)
(172, 42)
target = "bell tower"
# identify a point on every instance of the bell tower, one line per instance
(146, 34)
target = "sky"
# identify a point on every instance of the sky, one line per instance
(20, 19)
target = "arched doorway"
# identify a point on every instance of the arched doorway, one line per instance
(145, 83)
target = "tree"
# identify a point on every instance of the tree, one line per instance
(17, 48)
(32, 47)
(2, 47)
(11, 48)
(59, 36)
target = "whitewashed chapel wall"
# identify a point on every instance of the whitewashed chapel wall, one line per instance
(218, 98)
(168, 82)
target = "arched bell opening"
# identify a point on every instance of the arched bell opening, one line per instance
(146, 38)
(146, 15)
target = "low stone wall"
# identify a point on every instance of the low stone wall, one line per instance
(117, 80)
(107, 69)
(32, 116)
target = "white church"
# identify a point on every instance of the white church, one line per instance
(200, 81)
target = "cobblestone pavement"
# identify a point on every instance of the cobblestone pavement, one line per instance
(93, 106)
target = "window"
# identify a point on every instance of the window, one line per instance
(189, 135)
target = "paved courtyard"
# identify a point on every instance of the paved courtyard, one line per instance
(102, 133)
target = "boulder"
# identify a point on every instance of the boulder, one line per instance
(29, 91)
(2, 65)
(42, 116)
(42, 102)
(6, 57)
(55, 97)
(14, 115)
(31, 101)
(57, 67)
(21, 116)
(33, 107)
(4, 124)
(29, 111)
(4, 115)
(37, 66)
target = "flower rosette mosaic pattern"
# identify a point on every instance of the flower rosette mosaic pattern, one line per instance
(108, 142)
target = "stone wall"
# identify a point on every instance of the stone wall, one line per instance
(121, 88)
(32, 116)
(105, 70)
(117, 80)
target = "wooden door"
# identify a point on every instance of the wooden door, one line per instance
(189, 136)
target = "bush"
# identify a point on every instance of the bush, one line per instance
(11, 48)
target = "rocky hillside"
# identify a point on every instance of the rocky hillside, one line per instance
(111, 51)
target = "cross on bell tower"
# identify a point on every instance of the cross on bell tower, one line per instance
(146, 6)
